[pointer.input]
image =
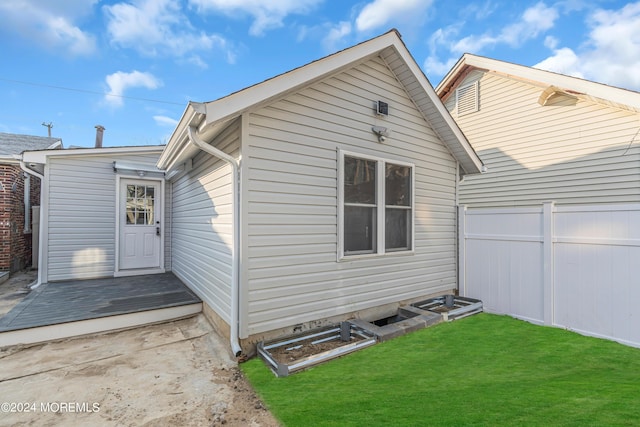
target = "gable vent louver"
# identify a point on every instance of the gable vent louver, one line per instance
(467, 99)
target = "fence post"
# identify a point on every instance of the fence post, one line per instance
(548, 261)
(462, 250)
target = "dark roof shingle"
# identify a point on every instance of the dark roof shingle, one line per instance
(11, 144)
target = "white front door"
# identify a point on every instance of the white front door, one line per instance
(140, 224)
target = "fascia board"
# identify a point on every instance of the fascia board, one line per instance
(42, 155)
(178, 142)
(55, 145)
(450, 77)
(9, 160)
(235, 104)
(446, 116)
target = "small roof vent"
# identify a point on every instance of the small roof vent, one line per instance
(381, 108)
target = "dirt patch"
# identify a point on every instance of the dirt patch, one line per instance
(300, 349)
(245, 408)
(176, 373)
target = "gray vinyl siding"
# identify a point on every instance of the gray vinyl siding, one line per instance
(82, 214)
(202, 232)
(572, 150)
(291, 156)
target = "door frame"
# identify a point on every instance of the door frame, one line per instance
(118, 272)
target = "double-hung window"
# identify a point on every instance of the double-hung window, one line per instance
(376, 205)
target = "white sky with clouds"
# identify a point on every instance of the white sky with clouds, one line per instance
(133, 65)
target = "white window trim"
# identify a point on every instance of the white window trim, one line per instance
(381, 211)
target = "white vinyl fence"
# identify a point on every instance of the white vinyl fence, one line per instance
(575, 267)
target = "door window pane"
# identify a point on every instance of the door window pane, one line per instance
(131, 215)
(140, 205)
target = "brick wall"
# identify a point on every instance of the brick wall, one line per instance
(15, 245)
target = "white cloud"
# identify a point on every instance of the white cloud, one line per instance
(564, 61)
(50, 24)
(380, 12)
(433, 65)
(534, 21)
(610, 54)
(159, 27)
(473, 43)
(442, 36)
(267, 14)
(120, 81)
(165, 121)
(479, 11)
(551, 42)
(197, 61)
(407, 14)
(336, 34)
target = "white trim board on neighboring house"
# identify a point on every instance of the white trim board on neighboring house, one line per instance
(598, 92)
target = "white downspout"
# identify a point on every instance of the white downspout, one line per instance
(27, 203)
(40, 255)
(195, 139)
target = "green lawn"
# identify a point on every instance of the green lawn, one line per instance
(484, 370)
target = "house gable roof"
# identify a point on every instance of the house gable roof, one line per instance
(389, 47)
(550, 82)
(14, 144)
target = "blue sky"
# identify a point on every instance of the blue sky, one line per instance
(133, 65)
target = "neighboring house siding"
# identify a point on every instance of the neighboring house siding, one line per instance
(202, 234)
(291, 155)
(82, 214)
(572, 150)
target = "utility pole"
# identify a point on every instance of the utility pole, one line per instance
(48, 126)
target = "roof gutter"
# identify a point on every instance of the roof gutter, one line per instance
(195, 139)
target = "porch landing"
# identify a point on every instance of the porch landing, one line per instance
(64, 309)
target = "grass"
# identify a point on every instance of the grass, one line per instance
(485, 370)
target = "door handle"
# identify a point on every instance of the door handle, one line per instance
(158, 228)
